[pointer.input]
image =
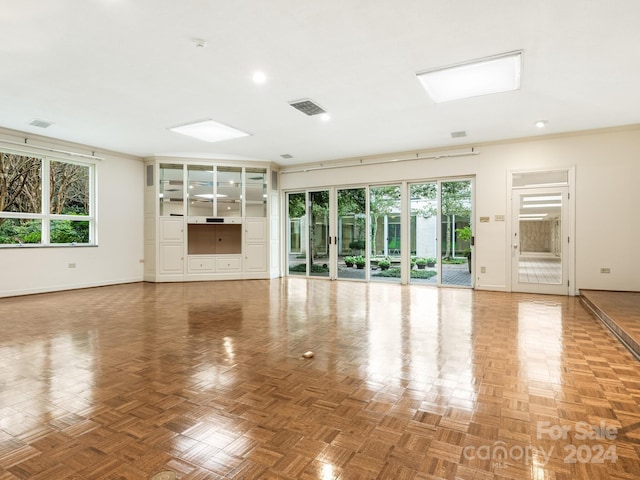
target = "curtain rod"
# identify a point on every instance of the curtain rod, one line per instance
(53, 150)
(394, 160)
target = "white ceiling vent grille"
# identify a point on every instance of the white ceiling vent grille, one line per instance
(41, 123)
(460, 134)
(307, 107)
(286, 156)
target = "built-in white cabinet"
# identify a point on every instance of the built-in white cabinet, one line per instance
(255, 248)
(171, 230)
(205, 264)
(202, 264)
(229, 264)
(171, 259)
(171, 250)
(206, 221)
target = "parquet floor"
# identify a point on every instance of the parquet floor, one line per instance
(620, 311)
(207, 380)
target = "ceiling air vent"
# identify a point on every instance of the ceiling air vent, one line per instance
(460, 134)
(307, 107)
(41, 123)
(286, 156)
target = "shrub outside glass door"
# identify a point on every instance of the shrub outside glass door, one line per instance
(352, 233)
(385, 240)
(424, 233)
(456, 259)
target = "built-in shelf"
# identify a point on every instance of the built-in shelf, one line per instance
(214, 239)
(206, 221)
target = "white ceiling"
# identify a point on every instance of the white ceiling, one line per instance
(115, 74)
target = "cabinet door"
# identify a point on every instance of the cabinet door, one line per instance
(171, 258)
(171, 229)
(229, 239)
(256, 257)
(256, 230)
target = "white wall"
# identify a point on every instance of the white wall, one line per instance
(117, 257)
(607, 166)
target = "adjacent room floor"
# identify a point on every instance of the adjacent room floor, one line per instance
(540, 268)
(207, 380)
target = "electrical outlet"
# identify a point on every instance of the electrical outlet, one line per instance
(483, 269)
(72, 265)
(605, 270)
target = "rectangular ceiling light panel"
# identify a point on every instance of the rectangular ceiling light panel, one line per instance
(209, 131)
(496, 74)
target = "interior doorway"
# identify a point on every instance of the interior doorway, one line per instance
(540, 245)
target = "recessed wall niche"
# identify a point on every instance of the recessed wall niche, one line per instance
(212, 239)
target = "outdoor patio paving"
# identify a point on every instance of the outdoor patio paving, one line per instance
(456, 275)
(451, 275)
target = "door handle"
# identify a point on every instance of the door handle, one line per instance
(515, 245)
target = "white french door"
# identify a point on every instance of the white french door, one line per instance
(540, 240)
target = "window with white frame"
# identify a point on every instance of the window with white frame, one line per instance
(45, 201)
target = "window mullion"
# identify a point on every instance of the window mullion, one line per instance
(93, 204)
(46, 198)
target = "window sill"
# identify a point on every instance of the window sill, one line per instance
(57, 245)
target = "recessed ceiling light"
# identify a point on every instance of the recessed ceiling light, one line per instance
(209, 131)
(485, 76)
(541, 123)
(325, 117)
(541, 205)
(210, 195)
(259, 77)
(542, 198)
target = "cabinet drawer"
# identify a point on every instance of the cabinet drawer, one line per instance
(201, 264)
(229, 264)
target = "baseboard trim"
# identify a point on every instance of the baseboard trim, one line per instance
(61, 288)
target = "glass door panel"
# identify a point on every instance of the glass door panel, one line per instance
(385, 232)
(200, 179)
(229, 192)
(423, 233)
(171, 190)
(318, 260)
(455, 241)
(297, 234)
(352, 233)
(256, 192)
(539, 252)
